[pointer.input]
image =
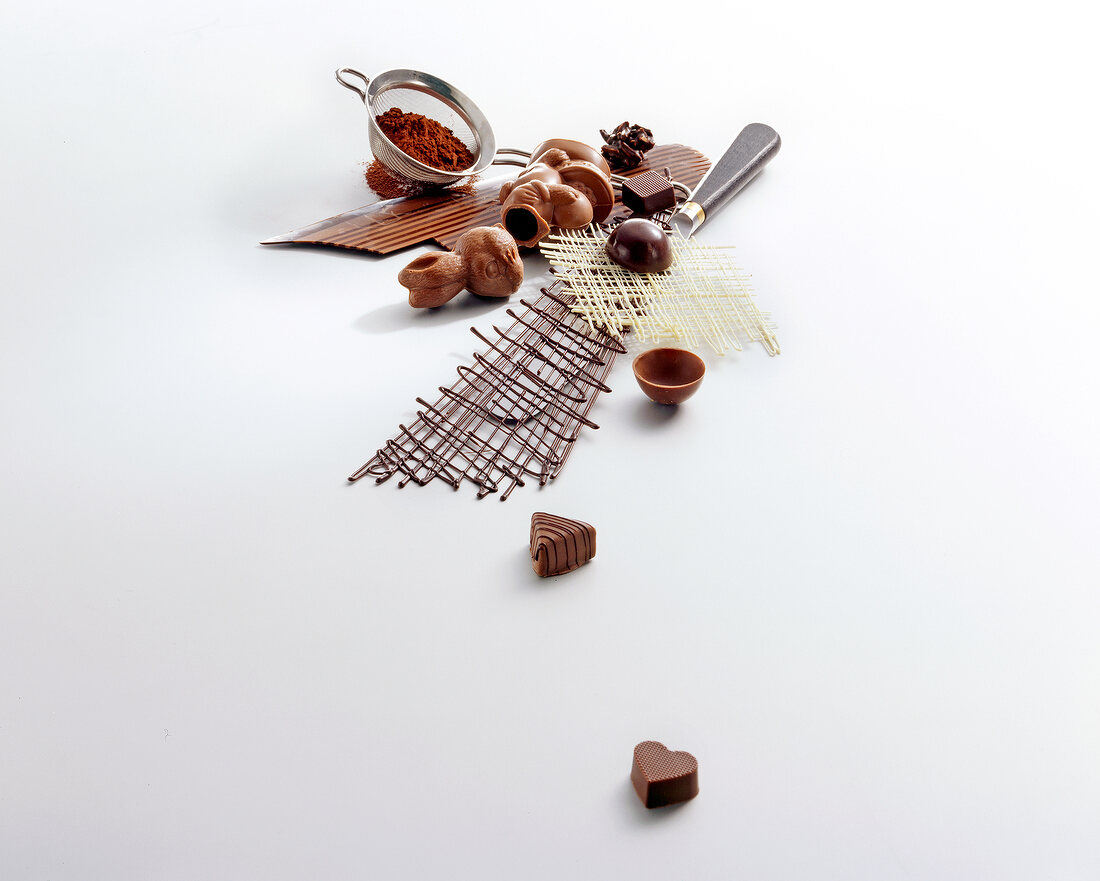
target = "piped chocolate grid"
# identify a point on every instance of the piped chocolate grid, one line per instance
(515, 413)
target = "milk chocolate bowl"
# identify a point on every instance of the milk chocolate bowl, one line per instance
(669, 376)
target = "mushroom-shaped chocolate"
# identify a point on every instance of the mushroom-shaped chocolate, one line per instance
(485, 260)
(566, 184)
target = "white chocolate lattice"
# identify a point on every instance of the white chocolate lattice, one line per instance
(704, 297)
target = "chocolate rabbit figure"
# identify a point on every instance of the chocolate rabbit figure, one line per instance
(485, 260)
(566, 184)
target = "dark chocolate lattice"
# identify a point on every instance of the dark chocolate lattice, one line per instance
(515, 413)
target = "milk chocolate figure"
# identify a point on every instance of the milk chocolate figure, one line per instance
(485, 260)
(566, 184)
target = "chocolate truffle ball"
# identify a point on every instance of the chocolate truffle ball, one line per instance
(640, 246)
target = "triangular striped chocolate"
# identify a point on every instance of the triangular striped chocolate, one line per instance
(560, 545)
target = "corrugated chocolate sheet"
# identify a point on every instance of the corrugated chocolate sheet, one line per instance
(385, 227)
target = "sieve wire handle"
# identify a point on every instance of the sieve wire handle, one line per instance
(351, 71)
(522, 157)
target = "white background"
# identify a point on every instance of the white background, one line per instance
(859, 581)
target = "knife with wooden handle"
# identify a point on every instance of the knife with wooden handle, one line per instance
(744, 160)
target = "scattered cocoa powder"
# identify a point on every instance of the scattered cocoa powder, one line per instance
(389, 185)
(392, 186)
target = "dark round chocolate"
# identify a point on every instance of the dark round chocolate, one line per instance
(640, 246)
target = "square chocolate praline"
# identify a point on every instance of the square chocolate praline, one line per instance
(648, 193)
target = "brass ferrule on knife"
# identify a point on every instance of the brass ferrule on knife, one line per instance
(688, 218)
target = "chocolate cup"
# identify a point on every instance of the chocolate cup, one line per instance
(669, 376)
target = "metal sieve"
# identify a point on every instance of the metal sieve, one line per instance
(414, 91)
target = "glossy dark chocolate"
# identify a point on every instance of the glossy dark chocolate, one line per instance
(648, 193)
(640, 246)
(662, 777)
(626, 146)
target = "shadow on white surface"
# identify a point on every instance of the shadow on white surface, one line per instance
(395, 317)
(640, 815)
(649, 414)
(550, 582)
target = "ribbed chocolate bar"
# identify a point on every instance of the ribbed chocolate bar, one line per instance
(560, 545)
(385, 227)
(648, 193)
(662, 777)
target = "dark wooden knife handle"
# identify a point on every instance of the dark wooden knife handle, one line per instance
(744, 160)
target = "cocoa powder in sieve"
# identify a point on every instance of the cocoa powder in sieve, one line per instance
(425, 140)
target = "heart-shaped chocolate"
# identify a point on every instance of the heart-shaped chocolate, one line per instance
(662, 777)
